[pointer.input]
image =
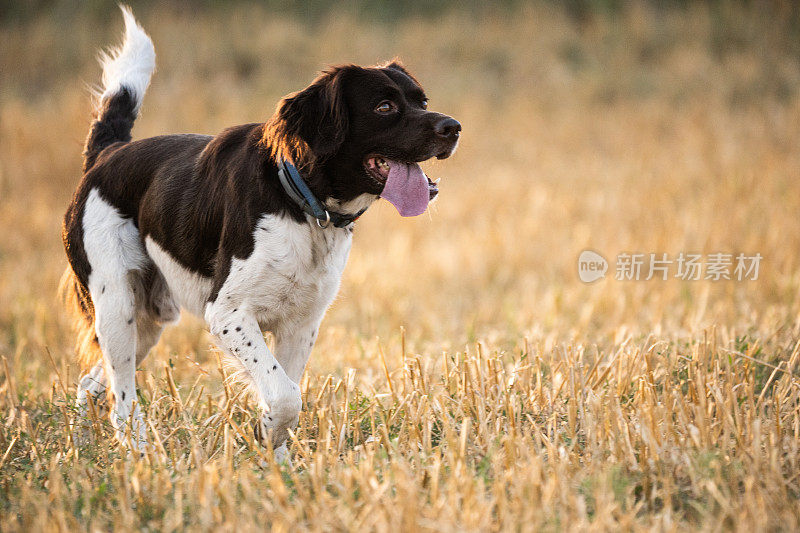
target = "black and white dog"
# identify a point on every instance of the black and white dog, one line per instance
(249, 229)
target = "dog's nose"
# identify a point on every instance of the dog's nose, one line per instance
(448, 128)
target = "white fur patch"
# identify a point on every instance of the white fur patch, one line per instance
(189, 289)
(293, 274)
(111, 240)
(131, 65)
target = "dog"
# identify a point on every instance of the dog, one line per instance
(249, 229)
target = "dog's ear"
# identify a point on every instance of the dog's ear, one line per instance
(317, 115)
(396, 64)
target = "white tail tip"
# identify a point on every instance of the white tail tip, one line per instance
(131, 64)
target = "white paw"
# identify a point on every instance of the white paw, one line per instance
(131, 430)
(279, 416)
(282, 455)
(133, 441)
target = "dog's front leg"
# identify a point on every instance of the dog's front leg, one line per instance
(293, 344)
(238, 333)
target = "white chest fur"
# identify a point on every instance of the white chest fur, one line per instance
(293, 274)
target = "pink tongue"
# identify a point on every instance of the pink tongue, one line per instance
(407, 189)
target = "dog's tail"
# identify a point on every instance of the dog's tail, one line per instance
(126, 75)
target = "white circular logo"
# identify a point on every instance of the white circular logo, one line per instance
(591, 266)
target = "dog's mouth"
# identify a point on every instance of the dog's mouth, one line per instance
(405, 185)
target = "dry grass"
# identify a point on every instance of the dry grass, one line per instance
(518, 397)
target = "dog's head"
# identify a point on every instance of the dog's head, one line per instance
(361, 132)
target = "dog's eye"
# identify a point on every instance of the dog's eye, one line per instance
(424, 103)
(385, 107)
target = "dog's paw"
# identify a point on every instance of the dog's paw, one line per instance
(130, 428)
(278, 418)
(284, 410)
(282, 456)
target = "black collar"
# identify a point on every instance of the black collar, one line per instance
(298, 191)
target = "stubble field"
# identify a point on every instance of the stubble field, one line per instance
(465, 378)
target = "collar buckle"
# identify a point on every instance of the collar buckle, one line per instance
(327, 220)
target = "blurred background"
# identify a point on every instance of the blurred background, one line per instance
(616, 126)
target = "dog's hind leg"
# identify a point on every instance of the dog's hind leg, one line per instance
(116, 255)
(94, 384)
(154, 309)
(115, 324)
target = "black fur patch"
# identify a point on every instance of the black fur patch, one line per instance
(113, 123)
